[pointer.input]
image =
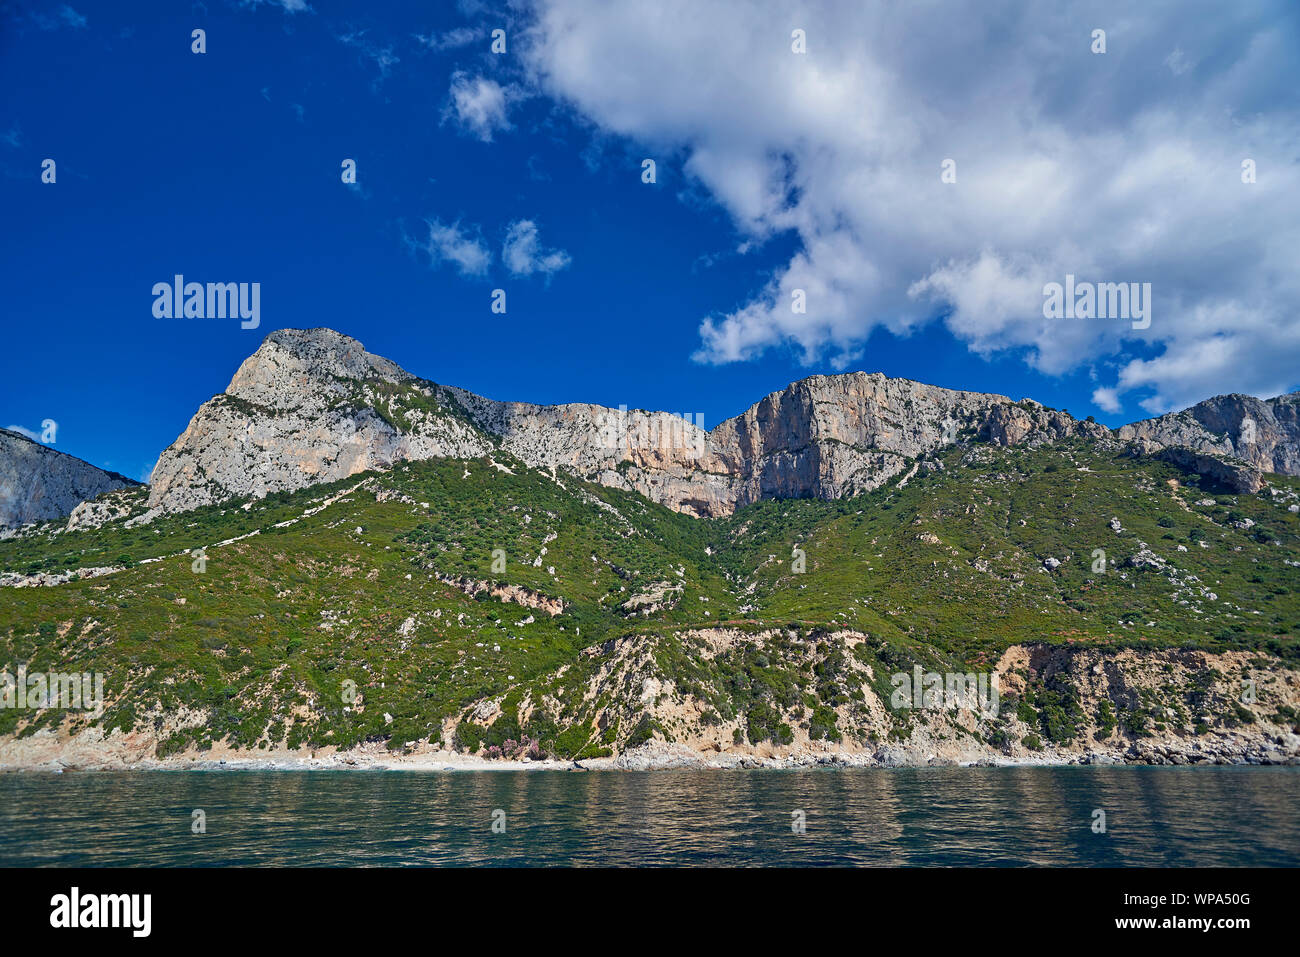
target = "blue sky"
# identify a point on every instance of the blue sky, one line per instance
(523, 171)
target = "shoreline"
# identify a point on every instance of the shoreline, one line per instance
(47, 753)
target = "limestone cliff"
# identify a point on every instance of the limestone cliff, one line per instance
(1265, 433)
(38, 483)
(312, 406)
(308, 406)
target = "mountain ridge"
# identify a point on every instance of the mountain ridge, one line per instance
(313, 405)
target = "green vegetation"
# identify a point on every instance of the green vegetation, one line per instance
(945, 572)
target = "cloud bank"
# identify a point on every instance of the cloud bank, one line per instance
(1122, 166)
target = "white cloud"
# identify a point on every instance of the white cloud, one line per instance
(1107, 400)
(72, 18)
(478, 104)
(451, 39)
(63, 16)
(523, 254)
(21, 430)
(382, 56)
(1177, 62)
(288, 6)
(1123, 166)
(449, 243)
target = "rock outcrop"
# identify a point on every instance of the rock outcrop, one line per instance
(1232, 475)
(309, 406)
(824, 436)
(39, 484)
(1264, 433)
(313, 406)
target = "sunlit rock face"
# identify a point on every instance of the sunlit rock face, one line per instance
(313, 406)
(1265, 433)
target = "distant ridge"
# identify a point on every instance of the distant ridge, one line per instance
(38, 483)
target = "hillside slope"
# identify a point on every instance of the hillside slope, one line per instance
(480, 605)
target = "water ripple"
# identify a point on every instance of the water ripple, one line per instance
(998, 817)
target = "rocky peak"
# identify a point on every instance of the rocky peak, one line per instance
(292, 365)
(309, 406)
(831, 436)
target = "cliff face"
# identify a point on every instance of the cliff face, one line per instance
(831, 436)
(1265, 433)
(312, 406)
(309, 406)
(38, 484)
(624, 688)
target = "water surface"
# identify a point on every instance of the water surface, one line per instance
(930, 816)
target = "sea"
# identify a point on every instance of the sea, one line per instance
(925, 817)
